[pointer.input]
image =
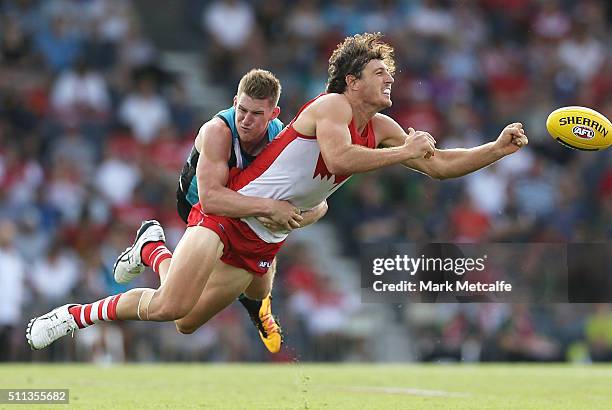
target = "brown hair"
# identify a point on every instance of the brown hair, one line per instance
(352, 55)
(260, 84)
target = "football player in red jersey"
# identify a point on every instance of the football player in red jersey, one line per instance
(218, 255)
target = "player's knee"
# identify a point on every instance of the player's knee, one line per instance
(261, 287)
(169, 311)
(260, 294)
(185, 328)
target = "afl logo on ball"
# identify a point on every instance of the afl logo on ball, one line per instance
(583, 132)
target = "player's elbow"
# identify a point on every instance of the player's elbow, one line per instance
(337, 167)
(446, 171)
(209, 201)
(440, 176)
(208, 206)
(324, 208)
(437, 171)
(212, 208)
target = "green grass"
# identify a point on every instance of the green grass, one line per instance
(324, 386)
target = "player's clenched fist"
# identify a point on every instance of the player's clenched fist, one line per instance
(511, 139)
(419, 144)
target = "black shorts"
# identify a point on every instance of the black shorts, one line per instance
(188, 173)
(183, 207)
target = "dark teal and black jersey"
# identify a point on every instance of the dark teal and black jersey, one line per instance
(187, 191)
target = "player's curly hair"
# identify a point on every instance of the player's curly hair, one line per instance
(260, 84)
(352, 55)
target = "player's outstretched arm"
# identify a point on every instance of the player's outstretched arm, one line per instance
(457, 162)
(212, 173)
(332, 116)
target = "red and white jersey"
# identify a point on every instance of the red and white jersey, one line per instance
(291, 168)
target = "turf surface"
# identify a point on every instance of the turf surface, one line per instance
(306, 386)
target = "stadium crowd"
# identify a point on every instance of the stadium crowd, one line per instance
(94, 130)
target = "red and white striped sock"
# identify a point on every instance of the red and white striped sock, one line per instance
(101, 311)
(154, 253)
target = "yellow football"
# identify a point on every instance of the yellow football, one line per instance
(580, 128)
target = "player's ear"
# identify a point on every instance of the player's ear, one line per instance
(351, 82)
(275, 113)
(235, 101)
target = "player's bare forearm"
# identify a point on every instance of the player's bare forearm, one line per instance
(225, 202)
(453, 163)
(356, 159)
(314, 214)
(457, 162)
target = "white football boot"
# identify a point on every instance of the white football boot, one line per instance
(129, 263)
(46, 329)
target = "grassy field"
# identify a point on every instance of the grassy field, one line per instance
(307, 386)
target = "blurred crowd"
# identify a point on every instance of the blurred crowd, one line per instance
(94, 130)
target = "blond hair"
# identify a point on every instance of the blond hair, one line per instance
(260, 84)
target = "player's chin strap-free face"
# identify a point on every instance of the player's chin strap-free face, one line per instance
(143, 304)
